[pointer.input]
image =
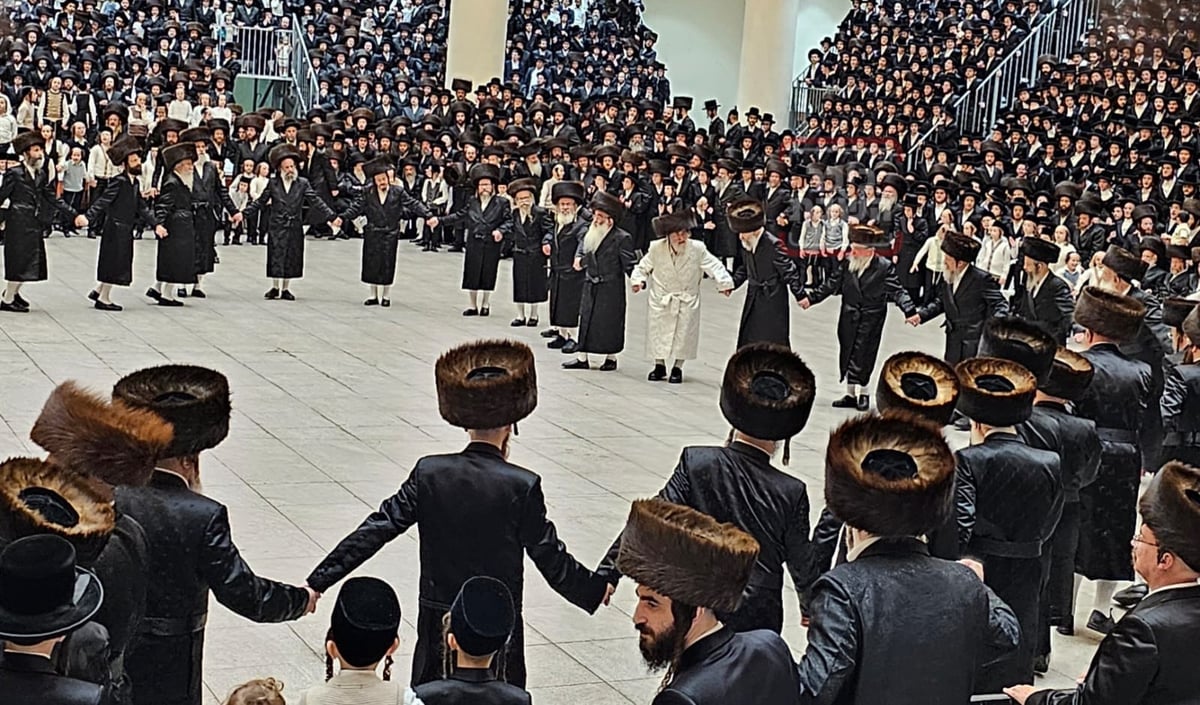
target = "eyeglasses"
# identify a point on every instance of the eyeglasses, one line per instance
(1139, 539)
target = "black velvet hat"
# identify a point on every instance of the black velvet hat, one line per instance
(995, 392)
(176, 153)
(1070, 376)
(918, 383)
(482, 616)
(963, 248)
(43, 595)
(1024, 342)
(365, 622)
(1124, 263)
(378, 165)
(486, 384)
(745, 215)
(1170, 506)
(1176, 310)
(479, 172)
(1111, 315)
(122, 148)
(895, 181)
(767, 391)
(1040, 250)
(194, 400)
(520, 185)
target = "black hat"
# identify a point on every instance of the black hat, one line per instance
(460, 84)
(963, 248)
(1124, 263)
(995, 392)
(745, 215)
(482, 616)
(1155, 245)
(608, 204)
(568, 189)
(118, 109)
(365, 622)
(1176, 311)
(1040, 250)
(1070, 376)
(194, 400)
(486, 384)
(195, 134)
(1171, 508)
(767, 391)
(43, 595)
(1021, 341)
(39, 498)
(682, 102)
(669, 223)
(1110, 315)
(26, 140)
(479, 172)
(176, 153)
(526, 184)
(890, 475)
(868, 236)
(918, 383)
(378, 165)
(122, 148)
(895, 181)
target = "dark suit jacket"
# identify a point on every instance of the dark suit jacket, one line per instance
(1053, 309)
(977, 299)
(26, 679)
(471, 686)
(725, 667)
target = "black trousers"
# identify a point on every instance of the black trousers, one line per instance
(427, 659)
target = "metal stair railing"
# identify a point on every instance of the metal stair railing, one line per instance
(271, 53)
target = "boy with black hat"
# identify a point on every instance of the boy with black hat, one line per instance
(768, 273)
(1044, 298)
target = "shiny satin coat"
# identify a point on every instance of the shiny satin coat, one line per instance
(566, 284)
(173, 209)
(285, 223)
(977, 299)
(1151, 346)
(1181, 414)
(768, 274)
(530, 284)
(381, 235)
(483, 252)
(27, 679)
(119, 207)
(32, 207)
(727, 667)
(212, 202)
(1053, 308)
(602, 307)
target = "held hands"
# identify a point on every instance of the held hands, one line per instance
(497, 235)
(161, 232)
(913, 320)
(81, 221)
(608, 593)
(804, 303)
(710, 225)
(313, 597)
(1020, 693)
(546, 250)
(637, 288)
(236, 218)
(432, 222)
(336, 223)
(727, 292)
(578, 265)
(782, 220)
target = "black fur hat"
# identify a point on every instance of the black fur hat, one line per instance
(194, 400)
(664, 225)
(963, 248)
(37, 497)
(1176, 310)
(281, 152)
(686, 555)
(995, 392)
(1070, 376)
(767, 391)
(1019, 340)
(1171, 508)
(918, 383)
(1040, 250)
(891, 475)
(176, 153)
(1111, 315)
(1124, 263)
(568, 189)
(608, 204)
(745, 215)
(22, 142)
(868, 236)
(486, 384)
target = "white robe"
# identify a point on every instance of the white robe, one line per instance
(673, 332)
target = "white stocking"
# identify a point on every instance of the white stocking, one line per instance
(1104, 593)
(474, 295)
(385, 292)
(286, 283)
(533, 312)
(104, 290)
(10, 290)
(374, 292)
(487, 296)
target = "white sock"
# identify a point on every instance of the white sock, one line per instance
(660, 361)
(374, 292)
(275, 284)
(521, 311)
(10, 290)
(852, 389)
(679, 364)
(533, 311)
(385, 291)
(583, 357)
(168, 291)
(286, 283)
(1104, 593)
(199, 278)
(159, 286)
(611, 357)
(568, 333)
(474, 295)
(487, 296)
(103, 290)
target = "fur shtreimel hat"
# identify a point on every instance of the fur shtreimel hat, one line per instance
(995, 392)
(1171, 508)
(869, 236)
(1114, 316)
(573, 190)
(664, 225)
(1021, 341)
(745, 215)
(767, 391)
(282, 152)
(1124, 263)
(180, 152)
(108, 440)
(608, 204)
(486, 384)
(686, 555)
(891, 475)
(1040, 250)
(963, 248)
(1191, 327)
(918, 383)
(194, 400)
(37, 497)
(1070, 376)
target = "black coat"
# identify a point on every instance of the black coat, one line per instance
(726, 666)
(566, 284)
(1053, 309)
(382, 232)
(768, 273)
(1181, 414)
(1053, 427)
(774, 205)
(122, 207)
(864, 310)
(31, 210)
(738, 485)
(173, 209)
(1147, 659)
(483, 252)
(479, 515)
(1116, 400)
(602, 307)
(285, 246)
(471, 686)
(26, 679)
(191, 554)
(910, 244)
(967, 308)
(1182, 285)
(530, 284)
(725, 241)
(1151, 346)
(900, 627)
(210, 201)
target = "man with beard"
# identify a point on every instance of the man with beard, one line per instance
(531, 225)
(768, 273)
(866, 282)
(891, 623)
(486, 220)
(479, 514)
(892, 189)
(766, 396)
(121, 201)
(566, 283)
(32, 207)
(385, 207)
(191, 547)
(210, 199)
(174, 221)
(689, 568)
(673, 269)
(606, 257)
(1045, 298)
(725, 241)
(287, 195)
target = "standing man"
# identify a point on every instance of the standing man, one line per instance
(673, 269)
(566, 282)
(123, 210)
(287, 195)
(191, 547)
(768, 273)
(479, 513)
(690, 568)
(210, 201)
(174, 219)
(32, 207)
(866, 282)
(606, 257)
(487, 220)
(766, 396)
(531, 226)
(1045, 298)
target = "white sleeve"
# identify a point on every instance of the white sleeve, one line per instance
(644, 268)
(410, 698)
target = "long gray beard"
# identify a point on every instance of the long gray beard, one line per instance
(288, 181)
(859, 263)
(886, 204)
(595, 235)
(484, 201)
(188, 180)
(36, 164)
(564, 220)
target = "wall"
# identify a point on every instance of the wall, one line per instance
(817, 19)
(700, 41)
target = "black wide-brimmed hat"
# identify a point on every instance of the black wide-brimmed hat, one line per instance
(1040, 250)
(1176, 311)
(1124, 263)
(527, 184)
(24, 141)
(746, 215)
(995, 392)
(868, 236)
(895, 181)
(176, 153)
(608, 204)
(486, 384)
(1022, 341)
(573, 190)
(378, 165)
(37, 497)
(282, 152)
(767, 391)
(1113, 316)
(479, 172)
(365, 621)
(460, 84)
(1171, 508)
(194, 400)
(1070, 376)
(963, 248)
(482, 616)
(43, 595)
(918, 383)
(1191, 327)
(681, 221)
(890, 475)
(686, 555)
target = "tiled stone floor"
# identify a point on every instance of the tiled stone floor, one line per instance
(333, 402)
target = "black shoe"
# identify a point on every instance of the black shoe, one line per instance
(1100, 622)
(676, 376)
(864, 402)
(658, 374)
(557, 343)
(20, 301)
(93, 295)
(169, 302)
(1130, 596)
(456, 248)
(550, 333)
(91, 236)
(471, 312)
(517, 322)
(609, 365)
(531, 323)
(287, 295)
(485, 311)
(271, 294)
(576, 365)
(101, 306)
(13, 308)
(1067, 628)
(570, 347)
(371, 302)
(197, 294)
(154, 293)
(182, 293)
(846, 402)
(1041, 665)
(386, 303)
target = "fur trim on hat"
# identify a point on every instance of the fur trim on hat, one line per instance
(1124, 263)
(24, 141)
(1024, 342)
(177, 153)
(573, 190)
(1176, 311)
(109, 441)
(895, 181)
(664, 225)
(981, 400)
(122, 148)
(92, 505)
(1171, 508)
(194, 400)
(1191, 327)
(1113, 316)
(1070, 376)
(767, 391)
(963, 248)
(1040, 250)
(520, 185)
(891, 475)
(479, 172)
(918, 383)
(686, 555)
(281, 152)
(868, 236)
(486, 384)
(745, 215)
(608, 204)
(378, 165)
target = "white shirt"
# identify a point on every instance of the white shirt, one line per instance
(1176, 586)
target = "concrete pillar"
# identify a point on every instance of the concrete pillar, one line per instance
(768, 55)
(475, 46)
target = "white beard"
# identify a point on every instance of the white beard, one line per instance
(886, 203)
(483, 202)
(859, 264)
(564, 220)
(287, 182)
(187, 179)
(524, 211)
(595, 235)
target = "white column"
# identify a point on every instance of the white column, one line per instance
(475, 46)
(768, 55)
